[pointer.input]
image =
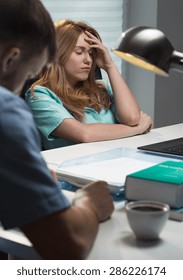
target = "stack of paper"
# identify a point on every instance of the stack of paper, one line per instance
(112, 166)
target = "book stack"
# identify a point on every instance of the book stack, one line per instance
(162, 182)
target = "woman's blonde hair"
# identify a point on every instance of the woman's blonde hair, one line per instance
(88, 93)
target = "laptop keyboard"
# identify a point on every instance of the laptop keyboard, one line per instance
(175, 149)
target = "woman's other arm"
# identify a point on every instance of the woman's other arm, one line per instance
(126, 106)
(82, 133)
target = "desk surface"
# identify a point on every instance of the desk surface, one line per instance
(115, 239)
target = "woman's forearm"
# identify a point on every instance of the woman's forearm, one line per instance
(127, 107)
(84, 133)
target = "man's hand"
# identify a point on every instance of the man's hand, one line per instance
(97, 197)
(54, 175)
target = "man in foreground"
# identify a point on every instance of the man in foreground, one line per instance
(29, 196)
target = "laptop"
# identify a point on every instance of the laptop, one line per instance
(172, 147)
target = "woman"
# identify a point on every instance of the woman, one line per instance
(70, 106)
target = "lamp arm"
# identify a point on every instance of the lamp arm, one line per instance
(176, 61)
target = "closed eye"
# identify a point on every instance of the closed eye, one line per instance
(79, 52)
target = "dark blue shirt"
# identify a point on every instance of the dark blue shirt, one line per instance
(27, 189)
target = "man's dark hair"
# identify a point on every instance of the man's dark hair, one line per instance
(28, 24)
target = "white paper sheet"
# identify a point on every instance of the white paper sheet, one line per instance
(114, 171)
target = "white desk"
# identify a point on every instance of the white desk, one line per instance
(115, 239)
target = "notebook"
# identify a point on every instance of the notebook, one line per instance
(172, 147)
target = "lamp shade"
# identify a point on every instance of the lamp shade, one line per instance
(148, 48)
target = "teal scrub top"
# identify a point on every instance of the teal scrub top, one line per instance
(49, 111)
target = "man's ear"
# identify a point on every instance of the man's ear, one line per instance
(10, 58)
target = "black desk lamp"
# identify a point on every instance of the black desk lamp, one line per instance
(149, 48)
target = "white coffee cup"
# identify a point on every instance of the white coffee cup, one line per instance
(147, 218)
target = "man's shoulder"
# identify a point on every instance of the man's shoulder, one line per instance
(5, 95)
(14, 113)
(9, 99)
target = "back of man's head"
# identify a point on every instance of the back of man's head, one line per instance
(27, 24)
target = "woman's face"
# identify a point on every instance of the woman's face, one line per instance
(78, 66)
